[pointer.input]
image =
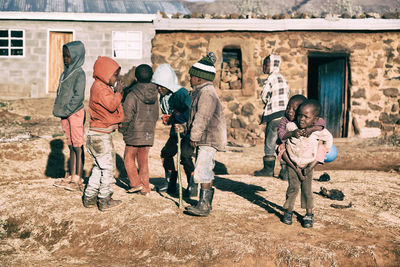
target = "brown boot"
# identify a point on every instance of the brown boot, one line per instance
(107, 203)
(89, 202)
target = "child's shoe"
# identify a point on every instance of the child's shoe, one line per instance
(74, 186)
(308, 221)
(107, 203)
(89, 202)
(134, 189)
(287, 217)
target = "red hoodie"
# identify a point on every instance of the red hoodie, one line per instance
(104, 104)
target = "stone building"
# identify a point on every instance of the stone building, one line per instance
(32, 34)
(351, 65)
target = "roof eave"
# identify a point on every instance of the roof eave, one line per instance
(276, 25)
(63, 16)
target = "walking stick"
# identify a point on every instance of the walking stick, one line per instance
(178, 164)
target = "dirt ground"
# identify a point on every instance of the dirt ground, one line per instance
(41, 225)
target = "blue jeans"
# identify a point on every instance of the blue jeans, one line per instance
(100, 146)
(203, 171)
(271, 136)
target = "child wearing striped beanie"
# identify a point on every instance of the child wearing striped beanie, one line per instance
(204, 68)
(206, 128)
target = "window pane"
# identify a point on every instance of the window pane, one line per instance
(3, 33)
(133, 54)
(16, 43)
(119, 35)
(119, 44)
(16, 52)
(3, 52)
(119, 53)
(16, 34)
(4, 43)
(133, 36)
(133, 45)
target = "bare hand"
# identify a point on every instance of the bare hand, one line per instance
(119, 87)
(193, 144)
(297, 133)
(179, 128)
(307, 132)
(300, 174)
(165, 118)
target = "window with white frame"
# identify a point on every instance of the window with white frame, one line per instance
(127, 44)
(11, 43)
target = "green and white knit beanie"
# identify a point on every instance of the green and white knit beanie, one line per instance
(204, 68)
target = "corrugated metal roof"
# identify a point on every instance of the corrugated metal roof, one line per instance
(94, 6)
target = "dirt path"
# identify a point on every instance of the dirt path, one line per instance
(41, 225)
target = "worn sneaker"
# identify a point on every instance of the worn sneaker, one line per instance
(287, 217)
(308, 221)
(89, 202)
(72, 186)
(107, 203)
(134, 189)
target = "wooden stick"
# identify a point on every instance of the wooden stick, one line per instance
(178, 164)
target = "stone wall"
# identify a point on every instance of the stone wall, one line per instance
(27, 76)
(374, 59)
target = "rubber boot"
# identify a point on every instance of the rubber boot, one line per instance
(284, 172)
(107, 203)
(164, 186)
(192, 188)
(204, 205)
(172, 183)
(269, 165)
(89, 202)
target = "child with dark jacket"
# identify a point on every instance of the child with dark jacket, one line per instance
(105, 114)
(68, 106)
(141, 114)
(175, 105)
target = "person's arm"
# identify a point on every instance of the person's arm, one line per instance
(309, 167)
(205, 110)
(111, 100)
(79, 93)
(286, 158)
(129, 107)
(319, 125)
(266, 92)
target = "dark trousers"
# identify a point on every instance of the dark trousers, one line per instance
(293, 190)
(169, 151)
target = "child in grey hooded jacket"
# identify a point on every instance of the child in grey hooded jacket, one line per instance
(68, 106)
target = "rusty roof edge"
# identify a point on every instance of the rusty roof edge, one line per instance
(63, 16)
(332, 24)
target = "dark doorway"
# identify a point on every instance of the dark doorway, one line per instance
(328, 76)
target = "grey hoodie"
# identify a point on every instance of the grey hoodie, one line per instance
(140, 115)
(71, 87)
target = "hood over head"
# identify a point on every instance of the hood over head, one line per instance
(166, 77)
(146, 92)
(275, 63)
(104, 68)
(77, 52)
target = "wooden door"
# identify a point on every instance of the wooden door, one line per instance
(56, 63)
(331, 85)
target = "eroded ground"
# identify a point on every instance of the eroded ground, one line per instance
(41, 225)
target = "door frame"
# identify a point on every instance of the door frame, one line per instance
(346, 83)
(48, 52)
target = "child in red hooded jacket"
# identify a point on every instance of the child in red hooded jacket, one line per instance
(105, 114)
